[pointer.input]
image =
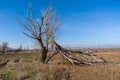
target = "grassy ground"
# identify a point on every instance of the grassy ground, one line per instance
(29, 68)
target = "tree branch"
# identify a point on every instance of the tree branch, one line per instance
(29, 35)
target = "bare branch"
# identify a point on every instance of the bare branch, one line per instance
(29, 36)
(41, 30)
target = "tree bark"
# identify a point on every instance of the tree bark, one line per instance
(49, 58)
(44, 52)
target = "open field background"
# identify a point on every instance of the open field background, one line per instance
(29, 68)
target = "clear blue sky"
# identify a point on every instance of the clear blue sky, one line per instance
(84, 21)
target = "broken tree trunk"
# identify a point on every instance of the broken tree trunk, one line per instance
(85, 58)
(50, 57)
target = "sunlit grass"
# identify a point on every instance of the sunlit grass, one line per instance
(29, 68)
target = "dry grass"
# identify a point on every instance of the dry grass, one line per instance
(29, 68)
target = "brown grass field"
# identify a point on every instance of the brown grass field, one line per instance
(29, 67)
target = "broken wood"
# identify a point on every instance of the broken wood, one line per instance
(68, 54)
(49, 58)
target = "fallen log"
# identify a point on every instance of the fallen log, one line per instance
(68, 54)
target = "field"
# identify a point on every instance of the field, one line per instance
(29, 67)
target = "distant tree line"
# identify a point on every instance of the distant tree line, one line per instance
(4, 47)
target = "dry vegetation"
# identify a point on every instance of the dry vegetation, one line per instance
(29, 68)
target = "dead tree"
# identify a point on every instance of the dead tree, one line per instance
(41, 29)
(69, 55)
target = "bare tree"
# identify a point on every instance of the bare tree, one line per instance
(43, 29)
(4, 47)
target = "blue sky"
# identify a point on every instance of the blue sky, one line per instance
(84, 21)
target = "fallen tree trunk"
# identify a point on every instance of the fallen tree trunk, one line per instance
(68, 54)
(50, 57)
